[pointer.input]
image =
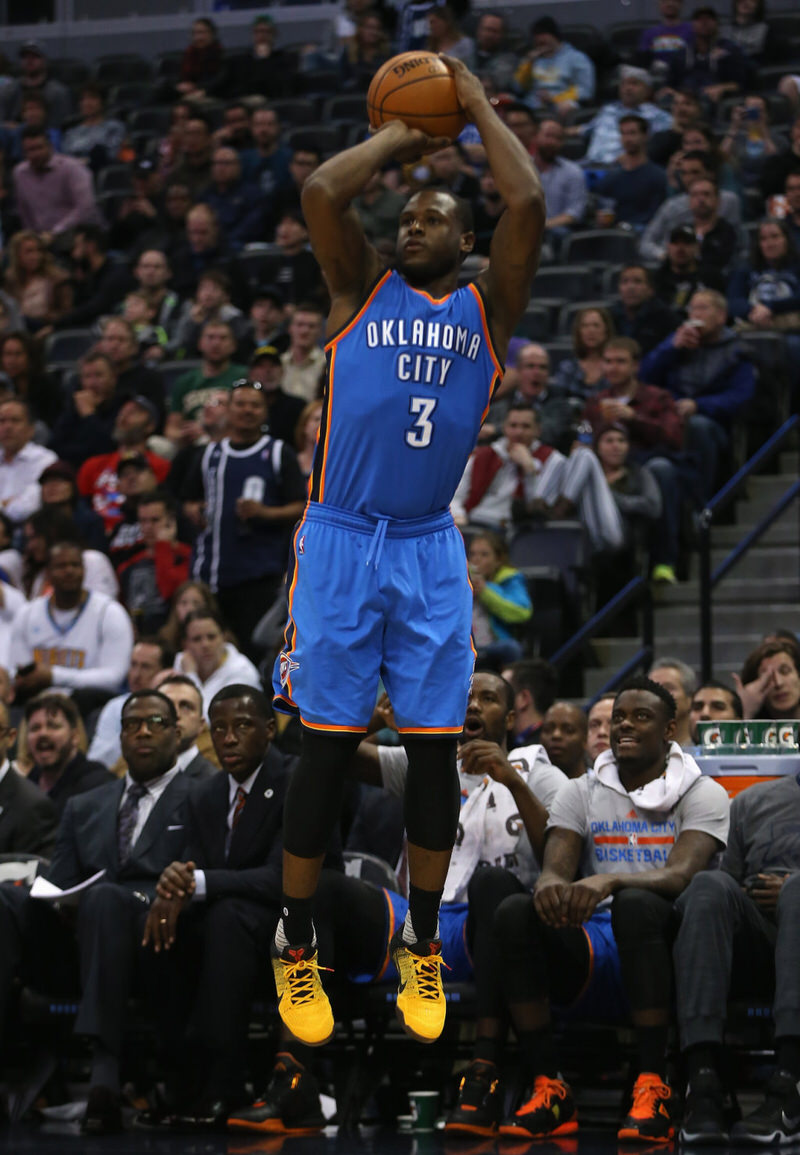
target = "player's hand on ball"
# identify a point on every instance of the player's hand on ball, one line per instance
(469, 89)
(411, 144)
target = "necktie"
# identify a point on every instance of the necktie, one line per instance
(126, 820)
(241, 798)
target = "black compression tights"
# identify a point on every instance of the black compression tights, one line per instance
(314, 797)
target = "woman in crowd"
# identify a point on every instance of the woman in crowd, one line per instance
(209, 660)
(37, 283)
(765, 293)
(22, 371)
(96, 138)
(769, 685)
(500, 601)
(364, 53)
(190, 596)
(580, 374)
(203, 69)
(305, 435)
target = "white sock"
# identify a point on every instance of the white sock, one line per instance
(409, 934)
(281, 941)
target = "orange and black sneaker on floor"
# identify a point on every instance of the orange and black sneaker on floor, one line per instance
(480, 1101)
(549, 1111)
(290, 1105)
(649, 1119)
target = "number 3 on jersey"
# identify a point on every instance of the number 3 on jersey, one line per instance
(420, 434)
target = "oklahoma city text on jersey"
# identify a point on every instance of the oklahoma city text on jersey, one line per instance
(633, 840)
(423, 368)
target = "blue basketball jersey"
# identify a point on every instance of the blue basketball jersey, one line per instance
(409, 381)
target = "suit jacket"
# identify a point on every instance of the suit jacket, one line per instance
(253, 867)
(78, 776)
(200, 768)
(28, 819)
(87, 838)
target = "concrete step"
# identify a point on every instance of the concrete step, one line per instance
(732, 591)
(785, 531)
(727, 619)
(729, 653)
(760, 562)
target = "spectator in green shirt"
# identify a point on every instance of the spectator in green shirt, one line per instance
(217, 344)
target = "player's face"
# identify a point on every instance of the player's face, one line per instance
(51, 740)
(240, 735)
(188, 704)
(710, 704)
(429, 239)
(488, 716)
(599, 724)
(640, 732)
(564, 735)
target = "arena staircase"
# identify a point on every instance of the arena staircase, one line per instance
(761, 593)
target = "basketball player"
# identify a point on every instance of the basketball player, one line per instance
(378, 578)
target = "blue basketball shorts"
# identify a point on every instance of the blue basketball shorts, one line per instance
(452, 932)
(603, 997)
(374, 599)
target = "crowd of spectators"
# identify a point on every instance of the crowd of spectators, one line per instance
(161, 381)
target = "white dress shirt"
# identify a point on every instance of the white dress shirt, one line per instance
(155, 788)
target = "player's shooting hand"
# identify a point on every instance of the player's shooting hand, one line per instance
(469, 90)
(548, 898)
(176, 881)
(765, 890)
(409, 144)
(583, 896)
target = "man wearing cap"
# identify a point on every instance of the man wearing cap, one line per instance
(52, 192)
(681, 274)
(21, 461)
(267, 319)
(283, 411)
(34, 77)
(634, 97)
(98, 477)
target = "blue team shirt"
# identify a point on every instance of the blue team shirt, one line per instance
(409, 381)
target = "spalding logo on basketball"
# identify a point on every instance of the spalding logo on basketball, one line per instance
(419, 89)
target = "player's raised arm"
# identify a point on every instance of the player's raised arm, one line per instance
(514, 253)
(348, 260)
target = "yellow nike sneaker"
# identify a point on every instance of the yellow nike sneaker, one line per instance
(302, 1002)
(421, 1004)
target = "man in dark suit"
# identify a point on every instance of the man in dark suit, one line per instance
(27, 819)
(60, 768)
(188, 703)
(218, 907)
(131, 829)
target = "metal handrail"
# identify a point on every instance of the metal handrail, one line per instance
(709, 580)
(642, 657)
(637, 589)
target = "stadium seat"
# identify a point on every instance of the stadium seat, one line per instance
(122, 68)
(168, 64)
(129, 97)
(587, 38)
(624, 38)
(68, 345)
(115, 178)
(256, 268)
(345, 108)
(559, 350)
(69, 71)
(562, 544)
(323, 81)
(155, 119)
(325, 137)
(535, 324)
(295, 110)
(569, 281)
(567, 314)
(599, 247)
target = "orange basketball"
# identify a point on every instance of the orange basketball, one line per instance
(417, 88)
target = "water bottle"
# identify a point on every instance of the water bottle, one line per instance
(584, 434)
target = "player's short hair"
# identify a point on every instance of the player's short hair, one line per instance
(716, 684)
(642, 682)
(53, 703)
(239, 690)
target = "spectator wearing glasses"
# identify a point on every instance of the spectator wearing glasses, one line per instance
(253, 492)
